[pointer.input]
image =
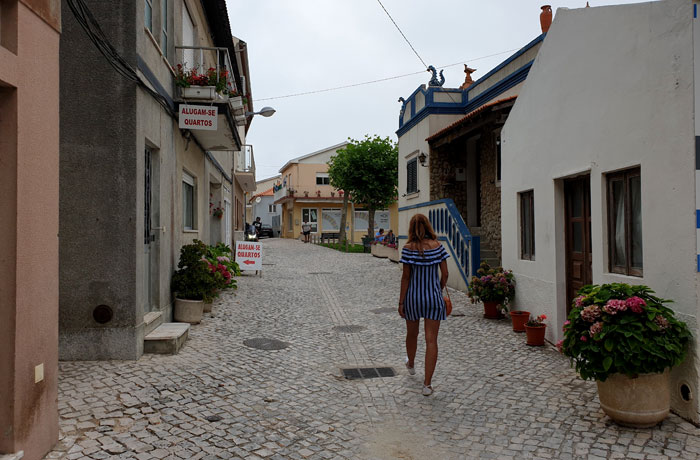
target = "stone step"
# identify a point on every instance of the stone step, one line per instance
(167, 338)
(16, 456)
(152, 320)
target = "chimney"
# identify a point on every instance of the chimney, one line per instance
(546, 18)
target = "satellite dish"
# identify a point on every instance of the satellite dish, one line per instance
(258, 200)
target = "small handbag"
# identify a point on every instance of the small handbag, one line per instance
(448, 303)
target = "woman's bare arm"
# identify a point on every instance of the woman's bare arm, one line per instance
(443, 274)
(405, 278)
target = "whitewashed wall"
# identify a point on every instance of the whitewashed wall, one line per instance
(611, 88)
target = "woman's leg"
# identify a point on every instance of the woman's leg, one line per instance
(431, 348)
(412, 328)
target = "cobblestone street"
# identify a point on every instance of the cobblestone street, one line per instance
(218, 398)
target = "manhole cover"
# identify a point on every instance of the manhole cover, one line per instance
(384, 310)
(357, 373)
(265, 344)
(320, 273)
(349, 329)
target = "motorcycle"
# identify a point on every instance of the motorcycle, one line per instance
(251, 234)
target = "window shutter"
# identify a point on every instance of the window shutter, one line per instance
(412, 176)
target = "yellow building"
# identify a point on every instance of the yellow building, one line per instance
(305, 195)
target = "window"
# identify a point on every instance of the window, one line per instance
(322, 179)
(188, 38)
(271, 208)
(164, 26)
(310, 215)
(412, 176)
(527, 225)
(188, 202)
(149, 15)
(290, 219)
(625, 222)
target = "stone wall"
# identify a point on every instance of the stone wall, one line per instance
(490, 193)
(443, 184)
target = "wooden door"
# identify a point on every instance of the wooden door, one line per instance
(578, 235)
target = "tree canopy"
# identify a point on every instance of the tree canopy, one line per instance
(368, 170)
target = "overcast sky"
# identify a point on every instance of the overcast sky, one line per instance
(297, 46)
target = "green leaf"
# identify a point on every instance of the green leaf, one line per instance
(607, 362)
(609, 344)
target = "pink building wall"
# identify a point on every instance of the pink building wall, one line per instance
(29, 140)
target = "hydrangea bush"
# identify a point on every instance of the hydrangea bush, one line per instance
(492, 285)
(619, 328)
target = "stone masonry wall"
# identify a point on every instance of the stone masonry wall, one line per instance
(490, 193)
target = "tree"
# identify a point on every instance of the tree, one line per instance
(368, 170)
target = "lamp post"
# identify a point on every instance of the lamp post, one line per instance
(265, 112)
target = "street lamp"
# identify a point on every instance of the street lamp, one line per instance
(265, 112)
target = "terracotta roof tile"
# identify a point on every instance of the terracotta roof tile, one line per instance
(468, 117)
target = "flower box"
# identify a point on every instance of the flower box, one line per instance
(199, 92)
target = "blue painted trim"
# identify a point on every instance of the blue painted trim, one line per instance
(697, 218)
(515, 56)
(454, 256)
(151, 77)
(697, 152)
(698, 263)
(695, 11)
(502, 86)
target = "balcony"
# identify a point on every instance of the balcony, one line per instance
(244, 168)
(204, 78)
(310, 193)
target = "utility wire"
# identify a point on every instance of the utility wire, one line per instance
(402, 34)
(379, 80)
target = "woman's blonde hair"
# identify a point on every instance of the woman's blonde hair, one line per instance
(419, 229)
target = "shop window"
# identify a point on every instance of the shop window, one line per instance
(310, 215)
(527, 225)
(625, 222)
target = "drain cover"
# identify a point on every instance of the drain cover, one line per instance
(320, 273)
(265, 344)
(349, 329)
(213, 418)
(384, 310)
(358, 373)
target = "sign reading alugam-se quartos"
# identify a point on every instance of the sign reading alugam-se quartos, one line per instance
(198, 117)
(249, 255)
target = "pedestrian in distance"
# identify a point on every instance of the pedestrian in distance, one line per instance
(258, 225)
(306, 230)
(421, 293)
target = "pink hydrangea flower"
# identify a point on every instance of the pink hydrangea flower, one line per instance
(615, 306)
(590, 313)
(661, 322)
(566, 323)
(596, 328)
(584, 338)
(223, 259)
(579, 300)
(636, 304)
(560, 345)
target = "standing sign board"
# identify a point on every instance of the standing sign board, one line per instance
(198, 117)
(249, 255)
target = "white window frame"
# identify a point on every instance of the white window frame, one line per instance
(323, 177)
(188, 179)
(271, 208)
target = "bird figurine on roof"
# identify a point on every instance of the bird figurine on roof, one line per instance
(434, 81)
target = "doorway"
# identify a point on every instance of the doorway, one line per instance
(151, 213)
(577, 196)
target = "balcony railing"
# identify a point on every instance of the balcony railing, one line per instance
(245, 160)
(205, 66)
(325, 192)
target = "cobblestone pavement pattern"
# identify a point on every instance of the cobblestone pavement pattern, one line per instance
(494, 396)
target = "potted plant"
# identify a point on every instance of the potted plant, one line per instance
(626, 339)
(206, 85)
(222, 269)
(535, 330)
(306, 193)
(193, 283)
(218, 212)
(494, 287)
(519, 318)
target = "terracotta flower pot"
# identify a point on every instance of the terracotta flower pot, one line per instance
(491, 310)
(519, 319)
(639, 402)
(535, 335)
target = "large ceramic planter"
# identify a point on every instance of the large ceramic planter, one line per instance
(188, 311)
(519, 319)
(639, 402)
(491, 310)
(535, 335)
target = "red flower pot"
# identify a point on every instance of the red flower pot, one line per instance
(491, 310)
(519, 319)
(535, 335)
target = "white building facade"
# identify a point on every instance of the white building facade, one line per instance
(599, 166)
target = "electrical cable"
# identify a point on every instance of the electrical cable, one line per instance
(379, 80)
(92, 28)
(402, 34)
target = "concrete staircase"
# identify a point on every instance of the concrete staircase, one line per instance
(487, 253)
(163, 338)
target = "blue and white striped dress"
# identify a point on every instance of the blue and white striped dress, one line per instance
(424, 296)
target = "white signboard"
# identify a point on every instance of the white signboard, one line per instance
(198, 117)
(249, 255)
(330, 220)
(382, 219)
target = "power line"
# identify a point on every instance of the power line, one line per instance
(402, 34)
(379, 80)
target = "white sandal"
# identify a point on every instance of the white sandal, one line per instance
(427, 390)
(411, 370)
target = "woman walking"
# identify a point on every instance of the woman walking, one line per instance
(421, 293)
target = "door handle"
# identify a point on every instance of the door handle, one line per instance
(159, 228)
